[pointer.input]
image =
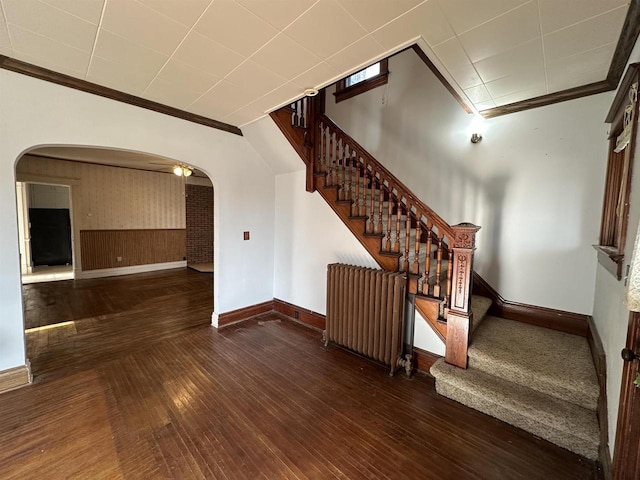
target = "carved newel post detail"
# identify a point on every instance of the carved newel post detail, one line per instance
(459, 312)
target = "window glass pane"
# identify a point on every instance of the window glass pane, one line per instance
(363, 75)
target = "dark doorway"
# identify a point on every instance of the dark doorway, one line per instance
(50, 236)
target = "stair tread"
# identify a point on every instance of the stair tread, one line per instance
(551, 362)
(563, 423)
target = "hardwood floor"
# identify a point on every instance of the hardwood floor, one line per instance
(260, 399)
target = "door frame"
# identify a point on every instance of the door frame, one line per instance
(626, 462)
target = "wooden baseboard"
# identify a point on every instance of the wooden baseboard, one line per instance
(568, 322)
(15, 378)
(307, 317)
(422, 360)
(245, 313)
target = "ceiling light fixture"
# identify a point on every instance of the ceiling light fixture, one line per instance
(476, 138)
(311, 92)
(181, 170)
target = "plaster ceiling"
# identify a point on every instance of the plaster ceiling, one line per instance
(235, 60)
(114, 158)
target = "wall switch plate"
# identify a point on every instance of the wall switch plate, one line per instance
(246, 235)
(119, 259)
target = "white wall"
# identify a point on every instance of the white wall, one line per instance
(534, 184)
(36, 113)
(308, 237)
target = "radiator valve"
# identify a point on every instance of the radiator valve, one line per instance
(407, 364)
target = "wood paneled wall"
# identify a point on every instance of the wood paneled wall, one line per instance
(199, 205)
(101, 248)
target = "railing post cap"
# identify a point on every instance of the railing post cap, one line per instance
(466, 226)
(465, 235)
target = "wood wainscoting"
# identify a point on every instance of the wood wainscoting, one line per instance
(15, 378)
(102, 248)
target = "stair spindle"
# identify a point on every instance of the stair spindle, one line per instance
(355, 204)
(449, 273)
(407, 241)
(436, 286)
(396, 247)
(415, 268)
(341, 171)
(378, 228)
(362, 203)
(427, 263)
(372, 209)
(348, 172)
(387, 245)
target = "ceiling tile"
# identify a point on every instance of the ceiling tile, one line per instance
(255, 78)
(587, 35)
(356, 56)
(243, 116)
(372, 14)
(222, 100)
(235, 27)
(278, 13)
(185, 11)
(51, 22)
(47, 52)
(316, 77)
(516, 83)
(581, 69)
(466, 76)
(464, 15)
(426, 20)
(286, 57)
(5, 41)
(207, 55)
(485, 105)
(452, 55)
(527, 57)
(283, 95)
(122, 51)
(118, 76)
(312, 31)
(89, 10)
(169, 93)
(477, 94)
(143, 25)
(555, 15)
(514, 28)
(520, 96)
(185, 76)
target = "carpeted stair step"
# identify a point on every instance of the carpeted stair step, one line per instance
(479, 307)
(563, 423)
(551, 362)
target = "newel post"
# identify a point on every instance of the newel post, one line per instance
(459, 312)
(316, 108)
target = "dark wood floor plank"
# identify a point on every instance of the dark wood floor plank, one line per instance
(138, 385)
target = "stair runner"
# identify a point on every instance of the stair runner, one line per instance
(540, 380)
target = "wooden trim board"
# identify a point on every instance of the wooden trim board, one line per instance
(18, 66)
(16, 377)
(245, 313)
(422, 360)
(307, 317)
(568, 322)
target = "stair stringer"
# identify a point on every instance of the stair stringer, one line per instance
(429, 309)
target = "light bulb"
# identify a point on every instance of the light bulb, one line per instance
(187, 171)
(177, 170)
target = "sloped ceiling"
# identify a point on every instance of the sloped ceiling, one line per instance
(235, 60)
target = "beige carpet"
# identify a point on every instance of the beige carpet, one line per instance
(201, 267)
(537, 379)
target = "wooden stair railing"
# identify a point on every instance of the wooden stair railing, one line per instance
(396, 227)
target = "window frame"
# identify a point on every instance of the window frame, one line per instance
(615, 205)
(343, 92)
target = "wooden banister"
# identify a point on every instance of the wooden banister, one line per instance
(362, 192)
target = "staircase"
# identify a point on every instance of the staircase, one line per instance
(537, 379)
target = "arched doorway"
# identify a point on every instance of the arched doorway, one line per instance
(128, 216)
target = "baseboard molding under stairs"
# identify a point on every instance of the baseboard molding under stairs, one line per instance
(537, 379)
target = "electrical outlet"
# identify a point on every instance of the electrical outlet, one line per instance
(296, 314)
(119, 259)
(246, 235)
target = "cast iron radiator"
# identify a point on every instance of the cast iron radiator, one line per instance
(365, 313)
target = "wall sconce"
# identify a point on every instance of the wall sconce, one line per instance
(181, 170)
(476, 138)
